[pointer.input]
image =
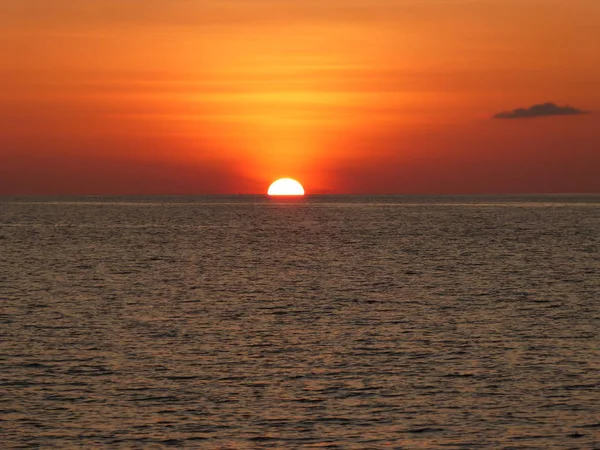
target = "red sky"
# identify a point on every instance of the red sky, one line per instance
(347, 96)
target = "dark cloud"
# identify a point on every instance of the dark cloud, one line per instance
(541, 110)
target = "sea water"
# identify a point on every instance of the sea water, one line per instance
(324, 322)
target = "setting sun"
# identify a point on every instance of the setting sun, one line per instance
(285, 186)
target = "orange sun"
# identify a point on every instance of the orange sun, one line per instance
(285, 186)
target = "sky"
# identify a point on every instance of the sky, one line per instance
(347, 96)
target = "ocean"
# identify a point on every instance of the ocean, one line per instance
(339, 322)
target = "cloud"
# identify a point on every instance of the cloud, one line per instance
(541, 110)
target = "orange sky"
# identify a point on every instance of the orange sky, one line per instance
(348, 96)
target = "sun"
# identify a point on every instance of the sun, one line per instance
(285, 186)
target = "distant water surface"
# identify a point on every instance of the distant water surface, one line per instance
(326, 322)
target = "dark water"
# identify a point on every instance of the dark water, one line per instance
(349, 322)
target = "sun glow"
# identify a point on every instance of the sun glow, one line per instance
(285, 186)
